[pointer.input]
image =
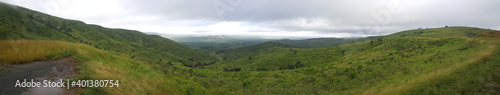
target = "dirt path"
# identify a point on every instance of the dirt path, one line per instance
(38, 71)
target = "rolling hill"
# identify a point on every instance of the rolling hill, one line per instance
(391, 64)
(312, 43)
(205, 39)
(216, 43)
(21, 23)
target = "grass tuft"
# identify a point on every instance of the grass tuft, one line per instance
(21, 51)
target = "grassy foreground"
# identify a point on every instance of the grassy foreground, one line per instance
(458, 68)
(135, 77)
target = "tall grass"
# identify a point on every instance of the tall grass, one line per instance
(21, 51)
(134, 77)
(481, 78)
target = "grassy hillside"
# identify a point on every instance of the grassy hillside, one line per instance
(20, 23)
(250, 50)
(206, 39)
(356, 74)
(135, 77)
(216, 43)
(447, 32)
(320, 42)
(214, 47)
(385, 65)
(312, 43)
(480, 77)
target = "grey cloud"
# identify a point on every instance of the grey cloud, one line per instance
(335, 16)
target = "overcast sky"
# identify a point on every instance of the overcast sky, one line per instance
(282, 18)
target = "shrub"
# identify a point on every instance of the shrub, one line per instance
(261, 69)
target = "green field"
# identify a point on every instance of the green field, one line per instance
(451, 60)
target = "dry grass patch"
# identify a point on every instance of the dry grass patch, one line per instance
(21, 51)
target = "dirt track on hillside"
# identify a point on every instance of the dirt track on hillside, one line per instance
(398, 88)
(38, 71)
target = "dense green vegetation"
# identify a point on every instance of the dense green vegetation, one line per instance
(214, 47)
(216, 39)
(366, 67)
(216, 43)
(451, 60)
(219, 44)
(20, 23)
(313, 43)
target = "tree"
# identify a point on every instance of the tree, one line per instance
(261, 69)
(343, 52)
(232, 69)
(380, 40)
(290, 67)
(299, 64)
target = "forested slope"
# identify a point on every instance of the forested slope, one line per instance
(21, 23)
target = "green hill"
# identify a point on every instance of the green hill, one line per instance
(206, 39)
(312, 43)
(250, 50)
(446, 32)
(135, 77)
(216, 43)
(391, 64)
(21, 23)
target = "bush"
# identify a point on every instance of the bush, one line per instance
(299, 64)
(261, 69)
(232, 69)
